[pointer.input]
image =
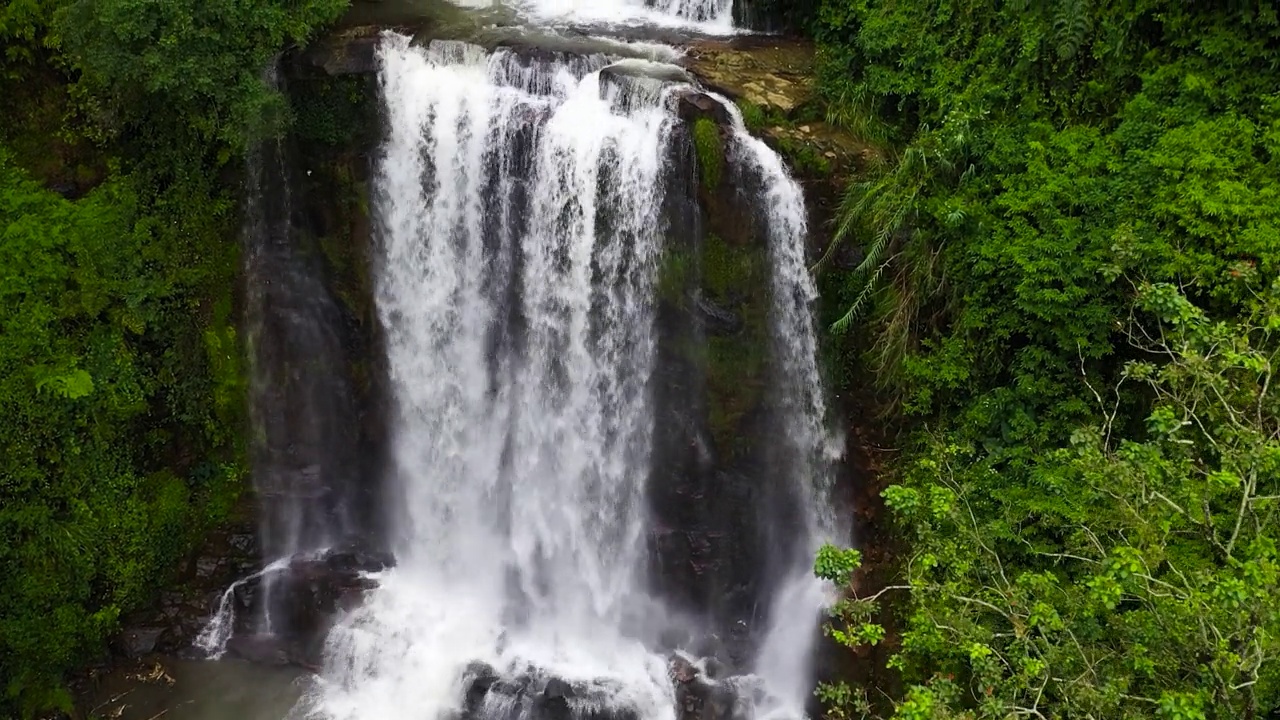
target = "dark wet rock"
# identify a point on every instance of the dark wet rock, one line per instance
(305, 597)
(533, 694)
(694, 105)
(207, 566)
(554, 700)
(631, 70)
(701, 697)
(244, 542)
(718, 320)
(478, 679)
(139, 641)
(350, 52)
(557, 689)
(356, 559)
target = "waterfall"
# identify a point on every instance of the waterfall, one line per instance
(519, 202)
(524, 202)
(303, 447)
(783, 658)
(213, 638)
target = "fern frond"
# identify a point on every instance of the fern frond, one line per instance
(859, 303)
(1072, 24)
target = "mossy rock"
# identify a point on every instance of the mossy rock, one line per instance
(674, 273)
(735, 364)
(709, 145)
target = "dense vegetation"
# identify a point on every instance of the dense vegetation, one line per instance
(1070, 271)
(1069, 264)
(121, 388)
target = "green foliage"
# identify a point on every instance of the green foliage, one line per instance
(802, 156)
(1136, 578)
(198, 60)
(121, 377)
(102, 373)
(836, 564)
(758, 119)
(1076, 228)
(710, 150)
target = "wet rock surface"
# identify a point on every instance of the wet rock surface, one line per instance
(306, 597)
(694, 105)
(701, 695)
(311, 591)
(532, 694)
(174, 621)
(772, 73)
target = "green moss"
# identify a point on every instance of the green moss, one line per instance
(710, 149)
(673, 277)
(735, 364)
(728, 270)
(804, 158)
(757, 119)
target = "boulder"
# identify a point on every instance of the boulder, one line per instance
(717, 320)
(693, 105)
(533, 694)
(702, 697)
(351, 52)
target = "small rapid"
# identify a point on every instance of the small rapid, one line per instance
(708, 16)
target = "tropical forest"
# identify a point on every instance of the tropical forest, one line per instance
(639, 359)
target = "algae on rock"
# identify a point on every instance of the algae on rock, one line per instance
(735, 362)
(710, 149)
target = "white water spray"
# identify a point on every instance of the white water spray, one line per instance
(521, 228)
(213, 638)
(520, 239)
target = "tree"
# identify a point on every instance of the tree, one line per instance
(1141, 578)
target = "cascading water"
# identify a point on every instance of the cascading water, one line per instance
(303, 451)
(213, 638)
(706, 15)
(520, 217)
(520, 203)
(783, 658)
(522, 208)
